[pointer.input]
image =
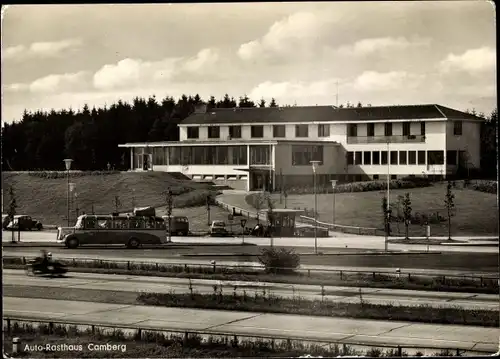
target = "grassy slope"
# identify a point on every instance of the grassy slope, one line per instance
(476, 212)
(46, 199)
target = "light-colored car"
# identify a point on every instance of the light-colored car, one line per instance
(218, 228)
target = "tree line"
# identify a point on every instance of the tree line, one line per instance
(42, 139)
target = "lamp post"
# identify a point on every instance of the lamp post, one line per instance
(314, 164)
(388, 197)
(67, 163)
(334, 184)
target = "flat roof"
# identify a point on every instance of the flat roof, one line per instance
(283, 210)
(227, 143)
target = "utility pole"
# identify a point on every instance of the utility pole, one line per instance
(169, 213)
(337, 96)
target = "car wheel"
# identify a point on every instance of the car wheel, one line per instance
(133, 243)
(72, 243)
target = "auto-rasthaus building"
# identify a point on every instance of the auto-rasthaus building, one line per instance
(250, 148)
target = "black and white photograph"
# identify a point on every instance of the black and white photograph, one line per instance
(250, 179)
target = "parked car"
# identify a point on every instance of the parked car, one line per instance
(180, 225)
(24, 223)
(218, 228)
(5, 221)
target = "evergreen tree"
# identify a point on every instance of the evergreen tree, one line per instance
(273, 103)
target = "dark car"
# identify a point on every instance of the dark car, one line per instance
(180, 225)
(24, 223)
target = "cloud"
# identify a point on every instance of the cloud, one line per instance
(381, 44)
(42, 49)
(205, 59)
(293, 89)
(55, 83)
(298, 29)
(133, 72)
(372, 81)
(472, 61)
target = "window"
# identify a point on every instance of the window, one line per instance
(375, 177)
(103, 223)
(457, 128)
(193, 132)
(174, 155)
(394, 157)
(402, 157)
(384, 158)
(406, 128)
(352, 130)
(213, 132)
(412, 157)
(259, 155)
(159, 156)
(279, 130)
(257, 131)
(394, 177)
(238, 155)
(422, 128)
(350, 158)
(90, 222)
(222, 155)
(301, 130)
(388, 129)
(303, 155)
(421, 157)
(376, 158)
(137, 223)
(235, 131)
(367, 158)
(451, 157)
(323, 130)
(370, 130)
(185, 155)
(120, 223)
(358, 160)
(435, 157)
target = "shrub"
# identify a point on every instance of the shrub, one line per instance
(485, 186)
(63, 174)
(279, 260)
(194, 198)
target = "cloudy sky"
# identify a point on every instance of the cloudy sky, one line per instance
(57, 56)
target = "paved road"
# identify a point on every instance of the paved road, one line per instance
(126, 283)
(153, 256)
(362, 242)
(368, 332)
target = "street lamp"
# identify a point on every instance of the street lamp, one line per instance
(334, 184)
(67, 163)
(314, 165)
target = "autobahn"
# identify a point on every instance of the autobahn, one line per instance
(484, 264)
(126, 283)
(344, 330)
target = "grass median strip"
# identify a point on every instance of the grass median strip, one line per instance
(337, 278)
(264, 301)
(64, 341)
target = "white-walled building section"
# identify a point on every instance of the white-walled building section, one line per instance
(258, 148)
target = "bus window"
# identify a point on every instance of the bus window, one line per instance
(120, 223)
(160, 224)
(103, 223)
(137, 223)
(90, 223)
(150, 223)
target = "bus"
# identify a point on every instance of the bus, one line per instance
(131, 231)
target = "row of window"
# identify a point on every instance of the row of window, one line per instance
(257, 131)
(303, 155)
(352, 129)
(302, 131)
(403, 157)
(121, 223)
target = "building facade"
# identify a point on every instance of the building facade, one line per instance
(255, 148)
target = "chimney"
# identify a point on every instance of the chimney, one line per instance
(201, 108)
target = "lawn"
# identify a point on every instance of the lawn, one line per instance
(476, 212)
(46, 198)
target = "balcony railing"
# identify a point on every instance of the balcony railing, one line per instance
(385, 139)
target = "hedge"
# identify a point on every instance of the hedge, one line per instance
(64, 174)
(485, 186)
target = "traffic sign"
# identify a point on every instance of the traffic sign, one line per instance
(243, 223)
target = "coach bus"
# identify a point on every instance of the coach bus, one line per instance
(131, 231)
